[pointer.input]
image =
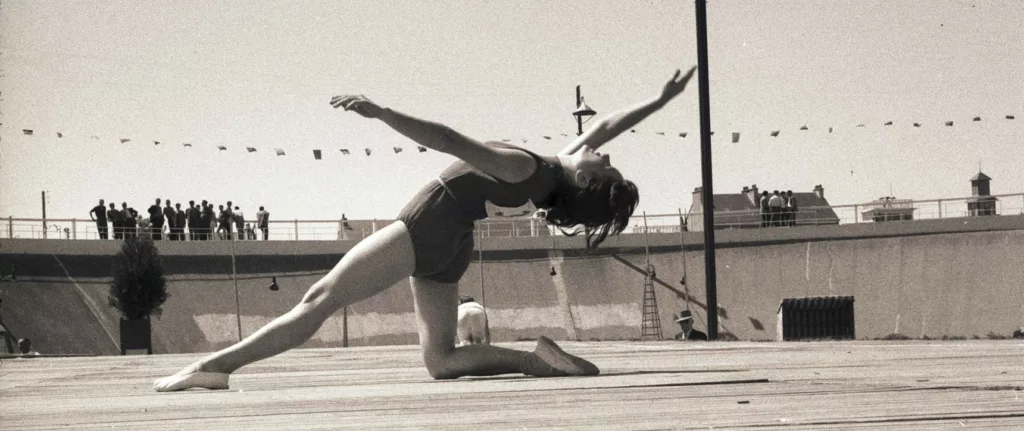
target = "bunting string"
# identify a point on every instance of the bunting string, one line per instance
(736, 136)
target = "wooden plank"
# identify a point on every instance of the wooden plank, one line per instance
(849, 385)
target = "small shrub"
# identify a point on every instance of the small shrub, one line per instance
(138, 288)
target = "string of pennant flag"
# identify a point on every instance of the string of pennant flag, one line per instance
(318, 154)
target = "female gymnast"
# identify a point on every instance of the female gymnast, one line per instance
(432, 242)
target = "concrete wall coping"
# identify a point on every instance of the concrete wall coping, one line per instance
(693, 240)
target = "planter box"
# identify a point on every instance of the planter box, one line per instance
(136, 335)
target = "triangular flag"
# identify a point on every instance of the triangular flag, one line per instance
(27, 131)
(977, 118)
(888, 123)
(250, 149)
(156, 142)
(563, 134)
(423, 149)
(830, 130)
(1009, 117)
(123, 140)
(222, 148)
(94, 137)
(345, 151)
(367, 151)
(917, 124)
(682, 135)
(278, 151)
(505, 140)
(735, 137)
(187, 144)
(397, 149)
(660, 133)
(803, 127)
(547, 137)
(712, 133)
(524, 140)
(632, 130)
(60, 135)
(774, 133)
(949, 123)
(317, 154)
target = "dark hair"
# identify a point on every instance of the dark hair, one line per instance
(602, 207)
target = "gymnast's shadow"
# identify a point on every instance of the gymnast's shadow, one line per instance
(514, 378)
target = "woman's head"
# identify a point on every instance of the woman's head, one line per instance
(592, 194)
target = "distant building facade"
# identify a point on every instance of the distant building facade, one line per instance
(889, 209)
(981, 202)
(742, 210)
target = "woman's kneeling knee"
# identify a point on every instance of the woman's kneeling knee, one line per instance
(438, 366)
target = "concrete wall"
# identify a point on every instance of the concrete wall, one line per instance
(956, 277)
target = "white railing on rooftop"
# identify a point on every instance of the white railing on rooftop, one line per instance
(334, 230)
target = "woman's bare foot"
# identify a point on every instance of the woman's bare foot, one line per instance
(554, 356)
(192, 376)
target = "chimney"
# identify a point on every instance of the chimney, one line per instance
(697, 196)
(819, 191)
(755, 199)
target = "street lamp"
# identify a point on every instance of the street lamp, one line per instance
(583, 113)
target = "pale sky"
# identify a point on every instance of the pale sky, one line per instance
(261, 73)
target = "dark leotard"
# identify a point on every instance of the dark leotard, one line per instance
(440, 216)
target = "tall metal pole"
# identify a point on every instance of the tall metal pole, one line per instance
(44, 215)
(234, 279)
(707, 193)
(483, 294)
(579, 119)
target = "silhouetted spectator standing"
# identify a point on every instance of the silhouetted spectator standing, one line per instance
(205, 221)
(791, 205)
(224, 223)
(127, 220)
(231, 219)
(116, 221)
(250, 234)
(775, 205)
(145, 226)
(169, 215)
(262, 219)
(179, 223)
(156, 220)
(191, 220)
(766, 216)
(99, 215)
(239, 223)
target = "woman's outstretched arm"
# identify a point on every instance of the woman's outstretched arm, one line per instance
(616, 123)
(507, 164)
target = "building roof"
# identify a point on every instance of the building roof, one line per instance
(981, 177)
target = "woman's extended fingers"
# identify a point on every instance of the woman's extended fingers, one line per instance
(343, 101)
(688, 75)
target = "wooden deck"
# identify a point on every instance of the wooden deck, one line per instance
(652, 385)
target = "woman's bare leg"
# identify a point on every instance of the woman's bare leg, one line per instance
(373, 265)
(437, 306)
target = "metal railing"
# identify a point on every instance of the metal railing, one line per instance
(334, 230)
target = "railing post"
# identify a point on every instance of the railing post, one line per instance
(74, 228)
(296, 229)
(10, 226)
(940, 208)
(856, 214)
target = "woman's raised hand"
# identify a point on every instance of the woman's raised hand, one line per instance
(676, 85)
(360, 104)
